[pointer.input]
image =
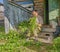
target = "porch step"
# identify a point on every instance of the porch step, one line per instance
(45, 41)
(47, 29)
(46, 35)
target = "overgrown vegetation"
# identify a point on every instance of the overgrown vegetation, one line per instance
(56, 44)
(16, 41)
(28, 27)
(55, 47)
(1, 28)
(12, 42)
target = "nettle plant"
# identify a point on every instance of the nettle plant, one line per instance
(27, 27)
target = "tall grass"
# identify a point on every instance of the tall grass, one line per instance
(2, 29)
(14, 42)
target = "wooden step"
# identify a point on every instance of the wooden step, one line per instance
(45, 40)
(46, 35)
(48, 29)
(42, 40)
(43, 37)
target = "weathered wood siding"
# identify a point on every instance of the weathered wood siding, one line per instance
(14, 14)
(39, 6)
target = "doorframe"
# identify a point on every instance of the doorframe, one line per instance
(46, 12)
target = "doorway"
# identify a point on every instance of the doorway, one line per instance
(46, 12)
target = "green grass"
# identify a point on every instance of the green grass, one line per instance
(16, 42)
(12, 42)
(2, 29)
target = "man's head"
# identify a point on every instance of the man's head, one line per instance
(35, 13)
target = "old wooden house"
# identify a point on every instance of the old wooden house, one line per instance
(48, 9)
(20, 10)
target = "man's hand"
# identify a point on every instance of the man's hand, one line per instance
(39, 26)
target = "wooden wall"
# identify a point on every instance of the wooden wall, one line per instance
(14, 15)
(39, 6)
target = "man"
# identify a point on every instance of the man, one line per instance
(39, 22)
(39, 19)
